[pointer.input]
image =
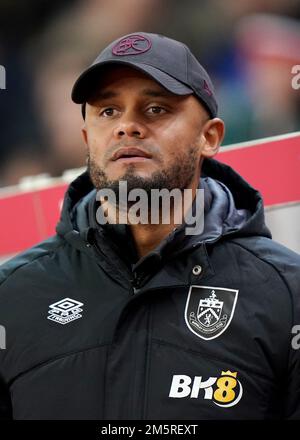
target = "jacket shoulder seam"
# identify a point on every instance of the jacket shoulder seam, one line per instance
(273, 266)
(49, 252)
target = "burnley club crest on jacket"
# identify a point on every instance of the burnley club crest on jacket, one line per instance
(209, 310)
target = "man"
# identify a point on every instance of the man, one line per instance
(111, 320)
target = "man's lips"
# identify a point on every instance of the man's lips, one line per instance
(128, 153)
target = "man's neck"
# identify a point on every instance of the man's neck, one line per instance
(147, 237)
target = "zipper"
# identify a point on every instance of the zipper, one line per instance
(133, 278)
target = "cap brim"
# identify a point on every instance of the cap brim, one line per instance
(89, 79)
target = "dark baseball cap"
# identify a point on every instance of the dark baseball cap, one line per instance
(167, 61)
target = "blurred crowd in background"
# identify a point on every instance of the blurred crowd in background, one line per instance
(247, 46)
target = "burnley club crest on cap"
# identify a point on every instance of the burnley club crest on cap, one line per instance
(209, 310)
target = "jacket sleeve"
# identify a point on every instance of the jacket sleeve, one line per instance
(289, 270)
(288, 266)
(286, 263)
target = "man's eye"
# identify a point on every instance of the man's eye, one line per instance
(156, 109)
(108, 112)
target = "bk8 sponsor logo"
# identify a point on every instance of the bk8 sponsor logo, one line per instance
(225, 390)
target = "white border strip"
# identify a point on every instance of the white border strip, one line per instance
(4, 258)
(281, 205)
(40, 182)
(266, 140)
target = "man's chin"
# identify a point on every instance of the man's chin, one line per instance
(138, 177)
(124, 170)
(131, 174)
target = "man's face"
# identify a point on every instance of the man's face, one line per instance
(137, 131)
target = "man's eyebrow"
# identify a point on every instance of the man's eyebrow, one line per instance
(104, 94)
(157, 93)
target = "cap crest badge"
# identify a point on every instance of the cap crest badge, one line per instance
(133, 45)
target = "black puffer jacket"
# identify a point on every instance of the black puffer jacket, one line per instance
(200, 328)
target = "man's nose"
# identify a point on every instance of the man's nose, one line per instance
(131, 127)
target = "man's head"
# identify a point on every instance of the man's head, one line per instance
(150, 114)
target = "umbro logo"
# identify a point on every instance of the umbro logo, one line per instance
(65, 311)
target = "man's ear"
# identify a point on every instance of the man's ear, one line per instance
(213, 135)
(84, 134)
(85, 139)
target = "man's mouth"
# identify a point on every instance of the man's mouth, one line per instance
(130, 154)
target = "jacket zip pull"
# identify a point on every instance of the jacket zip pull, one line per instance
(136, 282)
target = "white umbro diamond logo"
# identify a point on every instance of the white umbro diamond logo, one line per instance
(65, 311)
